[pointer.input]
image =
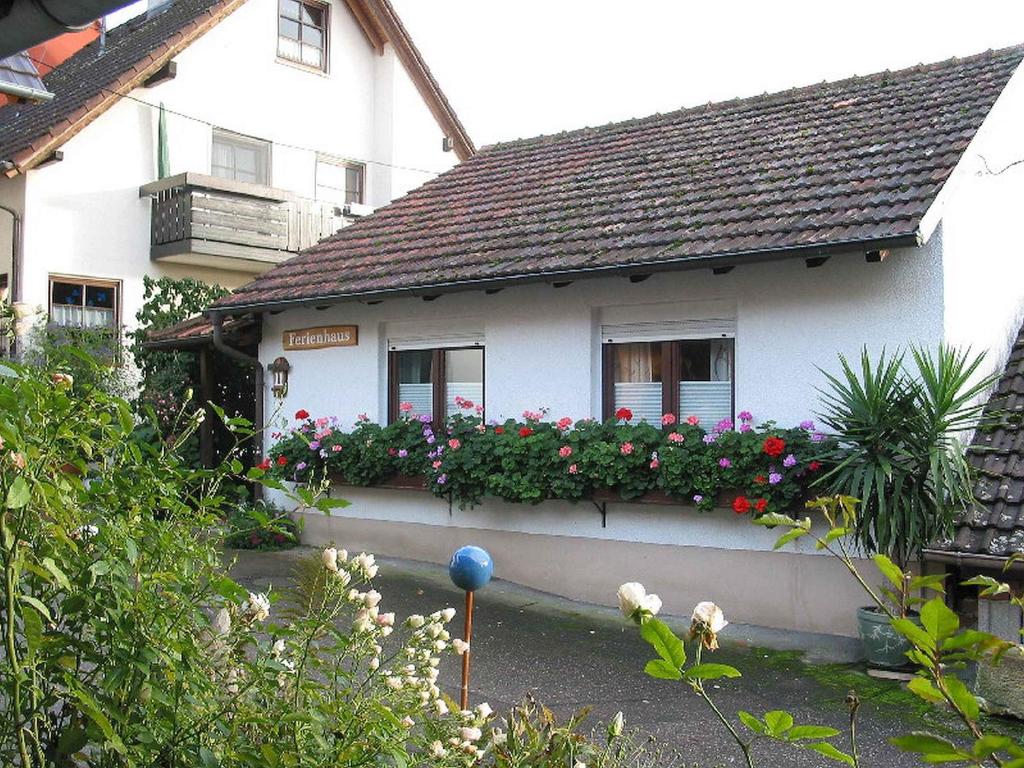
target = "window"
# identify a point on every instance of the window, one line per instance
(240, 158)
(302, 33)
(82, 303)
(339, 181)
(686, 378)
(432, 379)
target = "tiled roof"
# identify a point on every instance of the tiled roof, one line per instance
(195, 332)
(852, 162)
(995, 527)
(91, 80)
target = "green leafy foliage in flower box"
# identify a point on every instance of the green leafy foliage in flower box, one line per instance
(763, 468)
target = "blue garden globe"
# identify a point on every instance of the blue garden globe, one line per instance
(471, 568)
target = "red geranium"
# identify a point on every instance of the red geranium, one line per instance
(264, 465)
(525, 431)
(302, 414)
(814, 466)
(741, 505)
(281, 461)
(760, 479)
(499, 430)
(774, 446)
(624, 414)
(761, 505)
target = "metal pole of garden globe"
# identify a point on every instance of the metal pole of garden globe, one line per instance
(470, 569)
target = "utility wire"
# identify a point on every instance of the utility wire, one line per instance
(276, 143)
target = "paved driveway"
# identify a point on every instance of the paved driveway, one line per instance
(571, 655)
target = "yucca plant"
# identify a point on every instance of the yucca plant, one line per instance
(901, 438)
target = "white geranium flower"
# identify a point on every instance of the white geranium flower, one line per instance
(330, 558)
(460, 646)
(634, 601)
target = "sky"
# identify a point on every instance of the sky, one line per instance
(527, 67)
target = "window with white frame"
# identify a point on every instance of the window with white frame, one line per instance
(433, 381)
(339, 181)
(302, 32)
(240, 158)
(690, 371)
(84, 303)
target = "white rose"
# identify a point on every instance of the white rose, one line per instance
(460, 646)
(342, 555)
(408, 722)
(441, 707)
(345, 577)
(395, 683)
(374, 663)
(277, 648)
(257, 606)
(372, 598)
(437, 749)
(330, 558)
(633, 600)
(498, 737)
(616, 726)
(415, 621)
(469, 733)
(484, 710)
(710, 615)
(386, 620)
(448, 614)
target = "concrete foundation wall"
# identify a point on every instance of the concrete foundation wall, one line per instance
(682, 555)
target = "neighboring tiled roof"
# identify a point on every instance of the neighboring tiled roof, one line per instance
(853, 162)
(19, 71)
(90, 81)
(195, 332)
(995, 527)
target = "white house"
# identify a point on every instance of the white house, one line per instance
(705, 261)
(282, 120)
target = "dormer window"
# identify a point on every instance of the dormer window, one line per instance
(302, 33)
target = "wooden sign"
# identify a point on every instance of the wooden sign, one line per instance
(321, 337)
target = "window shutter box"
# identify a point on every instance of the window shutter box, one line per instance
(669, 330)
(435, 340)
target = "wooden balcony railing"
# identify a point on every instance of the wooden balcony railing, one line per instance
(214, 222)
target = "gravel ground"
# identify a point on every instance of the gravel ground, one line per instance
(573, 655)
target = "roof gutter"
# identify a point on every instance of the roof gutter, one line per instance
(640, 267)
(985, 562)
(24, 92)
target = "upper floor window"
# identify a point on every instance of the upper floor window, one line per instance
(434, 382)
(339, 181)
(84, 303)
(692, 377)
(240, 158)
(302, 33)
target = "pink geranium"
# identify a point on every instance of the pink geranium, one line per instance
(564, 423)
(626, 449)
(692, 420)
(405, 407)
(454, 444)
(572, 469)
(675, 437)
(436, 464)
(565, 451)
(668, 419)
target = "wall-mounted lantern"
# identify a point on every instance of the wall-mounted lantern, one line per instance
(279, 368)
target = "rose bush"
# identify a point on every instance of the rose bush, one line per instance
(764, 468)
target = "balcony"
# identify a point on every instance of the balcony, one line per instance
(233, 225)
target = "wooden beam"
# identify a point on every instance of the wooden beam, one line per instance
(372, 31)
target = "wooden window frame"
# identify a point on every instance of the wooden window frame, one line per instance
(116, 285)
(438, 379)
(242, 140)
(671, 368)
(343, 165)
(324, 8)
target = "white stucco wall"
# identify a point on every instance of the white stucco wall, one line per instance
(84, 216)
(543, 348)
(977, 217)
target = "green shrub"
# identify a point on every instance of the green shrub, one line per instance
(260, 526)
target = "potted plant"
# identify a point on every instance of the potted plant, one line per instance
(899, 450)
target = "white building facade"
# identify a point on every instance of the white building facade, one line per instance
(283, 122)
